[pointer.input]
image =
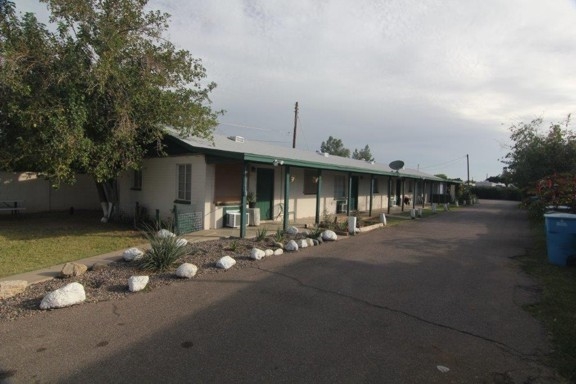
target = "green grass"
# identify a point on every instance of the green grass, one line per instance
(33, 241)
(557, 307)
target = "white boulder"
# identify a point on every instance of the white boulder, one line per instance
(278, 252)
(181, 242)
(225, 262)
(268, 252)
(291, 246)
(165, 233)
(310, 242)
(302, 243)
(292, 230)
(137, 283)
(132, 254)
(329, 235)
(257, 254)
(186, 271)
(66, 296)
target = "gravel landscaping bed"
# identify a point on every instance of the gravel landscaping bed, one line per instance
(112, 283)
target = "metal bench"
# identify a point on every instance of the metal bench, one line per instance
(14, 206)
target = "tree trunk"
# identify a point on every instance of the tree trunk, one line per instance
(108, 195)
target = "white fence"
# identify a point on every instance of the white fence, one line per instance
(36, 195)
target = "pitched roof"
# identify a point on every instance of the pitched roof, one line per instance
(256, 151)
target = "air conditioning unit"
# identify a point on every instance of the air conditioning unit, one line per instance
(233, 219)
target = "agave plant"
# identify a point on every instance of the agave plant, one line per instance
(164, 252)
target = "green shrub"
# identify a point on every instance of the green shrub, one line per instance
(261, 234)
(164, 252)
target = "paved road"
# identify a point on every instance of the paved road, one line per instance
(388, 306)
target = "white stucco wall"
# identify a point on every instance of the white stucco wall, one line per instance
(159, 186)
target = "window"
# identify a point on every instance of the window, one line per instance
(339, 186)
(137, 180)
(310, 182)
(184, 182)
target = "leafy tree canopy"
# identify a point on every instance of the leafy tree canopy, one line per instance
(363, 154)
(94, 95)
(536, 153)
(334, 147)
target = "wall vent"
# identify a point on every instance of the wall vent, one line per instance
(238, 139)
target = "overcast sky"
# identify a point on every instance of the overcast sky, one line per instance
(426, 81)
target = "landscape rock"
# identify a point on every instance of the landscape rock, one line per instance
(277, 244)
(329, 235)
(99, 265)
(302, 243)
(292, 230)
(11, 288)
(291, 246)
(257, 254)
(66, 296)
(165, 233)
(181, 242)
(315, 242)
(310, 242)
(137, 283)
(186, 270)
(319, 238)
(278, 252)
(73, 269)
(225, 262)
(132, 254)
(268, 252)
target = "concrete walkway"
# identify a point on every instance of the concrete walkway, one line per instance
(437, 300)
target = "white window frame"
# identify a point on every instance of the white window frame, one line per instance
(184, 182)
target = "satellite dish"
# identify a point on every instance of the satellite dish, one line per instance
(396, 165)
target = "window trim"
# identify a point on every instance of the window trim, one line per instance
(186, 197)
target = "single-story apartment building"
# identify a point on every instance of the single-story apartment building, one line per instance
(208, 182)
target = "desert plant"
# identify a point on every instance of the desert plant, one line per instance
(261, 234)
(233, 247)
(164, 252)
(279, 235)
(315, 232)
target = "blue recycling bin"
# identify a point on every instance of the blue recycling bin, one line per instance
(560, 237)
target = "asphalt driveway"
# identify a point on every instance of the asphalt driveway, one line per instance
(390, 306)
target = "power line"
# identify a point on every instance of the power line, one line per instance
(444, 163)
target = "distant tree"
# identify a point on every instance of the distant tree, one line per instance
(363, 154)
(537, 153)
(334, 147)
(94, 96)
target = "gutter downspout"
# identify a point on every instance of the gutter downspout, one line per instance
(286, 197)
(243, 202)
(318, 190)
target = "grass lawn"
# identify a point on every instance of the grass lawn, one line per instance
(557, 308)
(33, 241)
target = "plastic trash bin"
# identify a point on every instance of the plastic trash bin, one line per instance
(560, 237)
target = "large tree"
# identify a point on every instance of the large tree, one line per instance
(334, 147)
(96, 94)
(536, 153)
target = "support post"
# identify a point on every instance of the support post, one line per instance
(243, 201)
(371, 195)
(349, 194)
(402, 192)
(389, 192)
(286, 197)
(318, 192)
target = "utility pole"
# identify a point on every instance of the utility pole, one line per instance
(467, 169)
(295, 125)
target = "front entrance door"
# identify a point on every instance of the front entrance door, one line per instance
(265, 192)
